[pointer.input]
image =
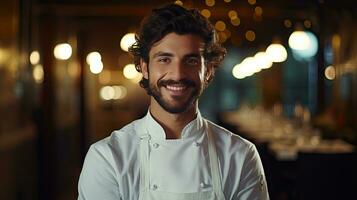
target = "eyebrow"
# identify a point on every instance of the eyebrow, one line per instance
(160, 53)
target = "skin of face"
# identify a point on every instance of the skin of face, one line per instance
(176, 72)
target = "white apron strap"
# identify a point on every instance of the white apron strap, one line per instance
(216, 180)
(144, 163)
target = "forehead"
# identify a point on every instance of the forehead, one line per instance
(178, 44)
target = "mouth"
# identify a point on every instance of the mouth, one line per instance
(176, 88)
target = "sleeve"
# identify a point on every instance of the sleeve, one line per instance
(97, 179)
(252, 185)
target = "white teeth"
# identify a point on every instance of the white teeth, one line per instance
(175, 88)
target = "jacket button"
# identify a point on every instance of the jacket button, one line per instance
(155, 145)
(154, 187)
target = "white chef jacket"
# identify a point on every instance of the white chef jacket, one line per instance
(111, 169)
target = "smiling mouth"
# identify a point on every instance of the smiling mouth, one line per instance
(176, 88)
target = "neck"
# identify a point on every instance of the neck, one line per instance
(172, 123)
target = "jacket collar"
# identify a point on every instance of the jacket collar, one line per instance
(192, 129)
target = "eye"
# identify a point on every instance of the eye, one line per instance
(193, 61)
(163, 60)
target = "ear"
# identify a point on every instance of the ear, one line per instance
(144, 69)
(209, 72)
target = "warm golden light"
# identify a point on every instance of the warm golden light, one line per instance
(178, 2)
(96, 67)
(222, 37)
(299, 40)
(120, 92)
(34, 57)
(137, 78)
(107, 93)
(62, 51)
(38, 73)
(258, 11)
(93, 57)
(336, 41)
(237, 72)
(235, 21)
(127, 40)
(227, 1)
(262, 60)
(250, 35)
(277, 53)
(4, 55)
(232, 14)
(206, 13)
(220, 25)
(113, 92)
(251, 65)
(251, 2)
(330, 72)
(210, 2)
(129, 71)
(246, 68)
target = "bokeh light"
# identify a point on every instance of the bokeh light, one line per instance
(130, 72)
(178, 2)
(235, 21)
(210, 2)
(232, 14)
(258, 11)
(220, 26)
(34, 57)
(62, 51)
(96, 67)
(277, 53)
(127, 40)
(250, 35)
(263, 60)
(206, 13)
(107, 93)
(304, 44)
(93, 57)
(38, 73)
(330, 72)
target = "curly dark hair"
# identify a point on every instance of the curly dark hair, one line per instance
(173, 18)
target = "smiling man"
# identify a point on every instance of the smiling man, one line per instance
(173, 153)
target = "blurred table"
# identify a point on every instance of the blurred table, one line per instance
(284, 138)
(288, 151)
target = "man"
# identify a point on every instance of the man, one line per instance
(173, 153)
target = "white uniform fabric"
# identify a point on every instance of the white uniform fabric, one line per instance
(112, 168)
(145, 193)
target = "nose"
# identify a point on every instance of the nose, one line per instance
(177, 71)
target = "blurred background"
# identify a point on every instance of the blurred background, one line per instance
(288, 84)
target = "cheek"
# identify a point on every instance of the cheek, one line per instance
(155, 72)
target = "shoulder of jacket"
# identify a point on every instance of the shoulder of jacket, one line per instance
(125, 133)
(225, 134)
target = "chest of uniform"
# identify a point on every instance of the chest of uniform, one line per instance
(179, 166)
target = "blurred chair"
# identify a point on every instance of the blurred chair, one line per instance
(326, 176)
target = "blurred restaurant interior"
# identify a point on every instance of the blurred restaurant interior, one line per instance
(288, 84)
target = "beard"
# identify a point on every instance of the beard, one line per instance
(178, 104)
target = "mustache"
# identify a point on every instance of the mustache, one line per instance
(186, 82)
